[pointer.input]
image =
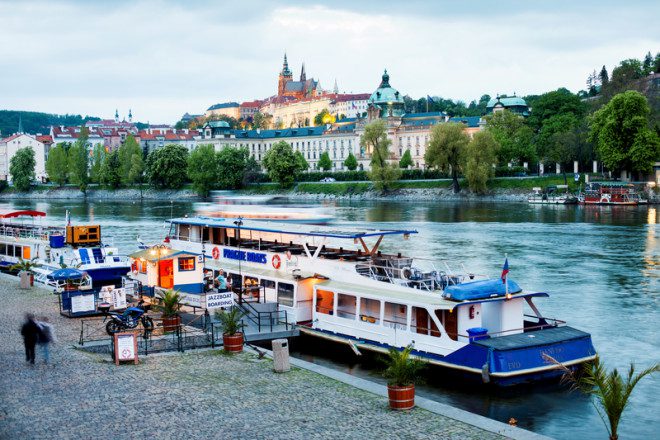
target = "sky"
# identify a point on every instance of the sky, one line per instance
(164, 58)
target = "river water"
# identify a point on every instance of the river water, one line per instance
(601, 266)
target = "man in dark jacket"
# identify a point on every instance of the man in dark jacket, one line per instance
(30, 333)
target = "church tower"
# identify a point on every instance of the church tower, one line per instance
(303, 76)
(285, 76)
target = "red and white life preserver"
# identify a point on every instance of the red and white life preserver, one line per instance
(276, 261)
(215, 253)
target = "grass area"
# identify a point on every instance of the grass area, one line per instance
(528, 184)
(336, 188)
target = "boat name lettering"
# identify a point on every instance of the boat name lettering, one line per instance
(252, 257)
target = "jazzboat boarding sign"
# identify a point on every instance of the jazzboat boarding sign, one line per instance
(221, 299)
(126, 347)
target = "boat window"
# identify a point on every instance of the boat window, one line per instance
(18, 251)
(370, 310)
(346, 306)
(3, 249)
(325, 301)
(268, 284)
(205, 234)
(422, 323)
(233, 280)
(449, 321)
(396, 316)
(184, 232)
(186, 264)
(285, 294)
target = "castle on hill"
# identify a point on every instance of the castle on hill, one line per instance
(303, 88)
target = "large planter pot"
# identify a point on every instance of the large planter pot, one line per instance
(233, 343)
(401, 398)
(171, 323)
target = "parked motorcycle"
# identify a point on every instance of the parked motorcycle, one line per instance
(129, 319)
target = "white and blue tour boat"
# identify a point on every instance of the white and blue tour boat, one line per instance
(338, 285)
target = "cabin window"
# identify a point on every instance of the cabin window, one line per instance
(233, 280)
(205, 235)
(285, 294)
(449, 321)
(186, 264)
(396, 316)
(325, 302)
(370, 310)
(268, 284)
(422, 323)
(18, 251)
(184, 232)
(3, 249)
(346, 306)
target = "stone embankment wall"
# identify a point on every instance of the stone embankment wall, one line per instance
(102, 194)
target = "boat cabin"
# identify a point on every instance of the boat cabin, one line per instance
(161, 266)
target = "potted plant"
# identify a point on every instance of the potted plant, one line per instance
(25, 272)
(402, 372)
(230, 322)
(169, 306)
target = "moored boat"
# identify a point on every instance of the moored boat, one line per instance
(552, 195)
(609, 193)
(338, 285)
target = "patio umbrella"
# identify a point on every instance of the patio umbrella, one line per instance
(66, 274)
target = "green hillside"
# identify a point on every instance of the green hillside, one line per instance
(35, 122)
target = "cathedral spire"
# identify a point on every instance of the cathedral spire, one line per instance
(130, 115)
(335, 90)
(303, 76)
(116, 115)
(285, 67)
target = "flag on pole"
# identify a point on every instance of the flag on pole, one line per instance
(505, 269)
(429, 99)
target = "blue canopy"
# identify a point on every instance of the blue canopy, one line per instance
(66, 274)
(480, 290)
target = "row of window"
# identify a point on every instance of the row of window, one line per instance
(11, 250)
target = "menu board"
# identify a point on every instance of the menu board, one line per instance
(126, 347)
(119, 298)
(82, 303)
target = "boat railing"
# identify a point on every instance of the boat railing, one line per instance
(38, 233)
(540, 324)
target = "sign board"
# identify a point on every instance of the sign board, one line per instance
(126, 347)
(251, 257)
(577, 177)
(119, 298)
(105, 294)
(192, 300)
(82, 303)
(221, 299)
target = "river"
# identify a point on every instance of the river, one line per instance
(601, 266)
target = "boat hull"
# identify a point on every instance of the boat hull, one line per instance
(105, 275)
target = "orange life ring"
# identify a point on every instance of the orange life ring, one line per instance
(277, 261)
(215, 253)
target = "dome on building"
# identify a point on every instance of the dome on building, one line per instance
(506, 102)
(387, 98)
(219, 124)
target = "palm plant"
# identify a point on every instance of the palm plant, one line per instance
(25, 265)
(402, 369)
(230, 321)
(170, 303)
(611, 390)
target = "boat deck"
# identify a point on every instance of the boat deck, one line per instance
(533, 339)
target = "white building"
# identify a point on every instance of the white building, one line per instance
(10, 145)
(349, 105)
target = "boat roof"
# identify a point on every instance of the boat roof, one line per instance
(256, 271)
(25, 213)
(612, 183)
(146, 254)
(292, 229)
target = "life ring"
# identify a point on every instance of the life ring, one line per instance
(216, 253)
(276, 261)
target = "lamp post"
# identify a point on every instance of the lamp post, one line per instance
(238, 224)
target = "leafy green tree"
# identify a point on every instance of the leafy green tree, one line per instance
(203, 169)
(446, 149)
(261, 120)
(406, 160)
(233, 166)
(302, 162)
(375, 142)
(513, 135)
(98, 155)
(166, 166)
(78, 161)
(111, 171)
(129, 149)
(647, 64)
(479, 157)
(325, 163)
(621, 134)
(21, 168)
(351, 162)
(282, 164)
(56, 165)
(324, 117)
(604, 77)
(558, 102)
(136, 172)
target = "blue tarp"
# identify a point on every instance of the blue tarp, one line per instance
(480, 290)
(66, 274)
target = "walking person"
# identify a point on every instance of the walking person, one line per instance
(46, 337)
(30, 332)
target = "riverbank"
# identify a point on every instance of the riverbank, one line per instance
(84, 395)
(124, 194)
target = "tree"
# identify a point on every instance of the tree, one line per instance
(261, 120)
(232, 166)
(56, 165)
(302, 162)
(604, 77)
(324, 161)
(165, 166)
(375, 141)
(282, 164)
(203, 169)
(647, 64)
(478, 160)
(611, 390)
(513, 135)
(553, 103)
(78, 161)
(129, 149)
(324, 117)
(351, 162)
(621, 134)
(98, 155)
(136, 172)
(110, 171)
(446, 149)
(406, 160)
(21, 168)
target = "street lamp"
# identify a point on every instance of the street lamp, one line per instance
(238, 224)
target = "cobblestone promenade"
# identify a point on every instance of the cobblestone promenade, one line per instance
(205, 395)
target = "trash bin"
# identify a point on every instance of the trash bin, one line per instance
(477, 333)
(281, 355)
(25, 280)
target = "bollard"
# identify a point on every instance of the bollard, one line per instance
(281, 355)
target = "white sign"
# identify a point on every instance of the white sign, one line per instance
(192, 299)
(222, 299)
(106, 294)
(82, 303)
(119, 298)
(125, 347)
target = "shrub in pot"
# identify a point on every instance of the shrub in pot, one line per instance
(402, 372)
(169, 306)
(25, 272)
(230, 322)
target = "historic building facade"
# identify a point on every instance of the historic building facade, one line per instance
(513, 104)
(10, 145)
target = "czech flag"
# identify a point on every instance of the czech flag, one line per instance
(505, 270)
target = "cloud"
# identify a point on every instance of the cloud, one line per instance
(163, 58)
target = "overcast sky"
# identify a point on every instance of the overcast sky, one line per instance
(164, 58)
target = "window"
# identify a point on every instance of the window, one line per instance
(186, 264)
(422, 323)
(3, 249)
(267, 284)
(346, 306)
(370, 310)
(285, 294)
(325, 302)
(396, 316)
